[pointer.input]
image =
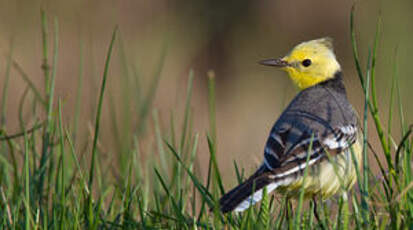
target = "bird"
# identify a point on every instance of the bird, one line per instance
(321, 117)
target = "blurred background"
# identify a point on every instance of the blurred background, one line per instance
(227, 37)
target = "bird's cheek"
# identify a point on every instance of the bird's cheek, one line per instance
(289, 70)
(294, 74)
(286, 69)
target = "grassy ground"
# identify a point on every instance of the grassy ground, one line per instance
(48, 181)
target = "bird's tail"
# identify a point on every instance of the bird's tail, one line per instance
(248, 193)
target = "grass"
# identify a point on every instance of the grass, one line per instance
(62, 186)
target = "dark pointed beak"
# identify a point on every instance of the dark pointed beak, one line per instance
(275, 62)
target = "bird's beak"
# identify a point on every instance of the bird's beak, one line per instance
(275, 62)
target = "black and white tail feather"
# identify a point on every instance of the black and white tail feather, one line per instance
(249, 192)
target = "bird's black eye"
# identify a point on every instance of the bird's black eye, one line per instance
(306, 62)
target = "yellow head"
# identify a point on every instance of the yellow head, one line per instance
(309, 63)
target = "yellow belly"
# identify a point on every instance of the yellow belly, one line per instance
(329, 176)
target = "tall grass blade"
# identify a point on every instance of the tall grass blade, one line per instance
(203, 190)
(364, 190)
(99, 108)
(51, 85)
(211, 106)
(264, 215)
(216, 172)
(27, 182)
(45, 64)
(62, 169)
(298, 217)
(91, 218)
(187, 111)
(354, 46)
(6, 87)
(29, 82)
(159, 143)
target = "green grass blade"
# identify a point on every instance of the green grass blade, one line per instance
(51, 86)
(29, 82)
(354, 46)
(391, 100)
(203, 190)
(99, 108)
(45, 64)
(402, 145)
(400, 107)
(211, 106)
(373, 104)
(177, 210)
(76, 160)
(91, 217)
(62, 171)
(365, 189)
(264, 214)
(216, 172)
(373, 109)
(238, 173)
(27, 182)
(192, 158)
(301, 197)
(187, 111)
(159, 143)
(6, 87)
(373, 65)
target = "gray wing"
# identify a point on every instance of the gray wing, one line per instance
(323, 119)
